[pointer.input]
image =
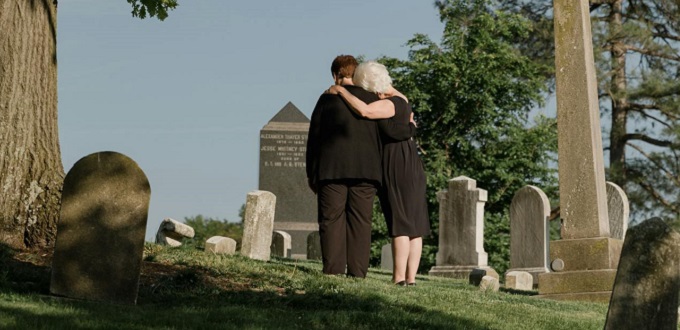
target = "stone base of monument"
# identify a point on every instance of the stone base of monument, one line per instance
(587, 269)
(458, 272)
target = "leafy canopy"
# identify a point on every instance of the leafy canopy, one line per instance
(152, 8)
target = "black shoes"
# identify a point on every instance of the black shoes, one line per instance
(401, 283)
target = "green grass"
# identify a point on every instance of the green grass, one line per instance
(190, 289)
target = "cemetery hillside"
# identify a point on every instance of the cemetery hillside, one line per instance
(186, 288)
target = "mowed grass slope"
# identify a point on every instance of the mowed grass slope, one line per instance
(189, 289)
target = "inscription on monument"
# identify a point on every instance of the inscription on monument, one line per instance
(283, 149)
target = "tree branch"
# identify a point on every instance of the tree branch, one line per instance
(660, 166)
(648, 139)
(652, 53)
(666, 124)
(648, 188)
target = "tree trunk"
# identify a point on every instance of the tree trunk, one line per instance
(617, 138)
(31, 172)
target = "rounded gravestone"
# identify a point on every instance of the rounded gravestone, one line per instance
(100, 233)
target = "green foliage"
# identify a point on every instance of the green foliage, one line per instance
(472, 95)
(205, 228)
(152, 8)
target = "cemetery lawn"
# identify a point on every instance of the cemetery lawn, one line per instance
(185, 288)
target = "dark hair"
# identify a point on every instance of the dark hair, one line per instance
(343, 66)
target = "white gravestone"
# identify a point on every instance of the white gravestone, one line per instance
(258, 225)
(461, 229)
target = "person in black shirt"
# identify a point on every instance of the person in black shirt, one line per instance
(402, 194)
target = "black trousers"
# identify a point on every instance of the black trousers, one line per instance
(345, 209)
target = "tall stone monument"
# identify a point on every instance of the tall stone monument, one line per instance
(587, 256)
(283, 144)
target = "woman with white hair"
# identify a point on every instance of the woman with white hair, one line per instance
(402, 195)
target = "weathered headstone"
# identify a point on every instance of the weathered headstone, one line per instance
(100, 234)
(283, 143)
(314, 246)
(171, 232)
(617, 205)
(461, 229)
(645, 294)
(590, 256)
(258, 225)
(529, 232)
(220, 245)
(519, 280)
(386, 260)
(281, 244)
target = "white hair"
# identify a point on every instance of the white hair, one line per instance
(373, 77)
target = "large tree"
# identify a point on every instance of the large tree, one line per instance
(472, 95)
(31, 172)
(637, 50)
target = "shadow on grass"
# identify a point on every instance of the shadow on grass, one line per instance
(247, 309)
(24, 272)
(194, 299)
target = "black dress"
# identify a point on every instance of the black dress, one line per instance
(402, 195)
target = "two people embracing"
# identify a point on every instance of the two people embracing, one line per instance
(360, 145)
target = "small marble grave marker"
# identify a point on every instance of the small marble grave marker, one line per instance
(489, 284)
(258, 225)
(519, 280)
(220, 245)
(100, 234)
(645, 294)
(283, 145)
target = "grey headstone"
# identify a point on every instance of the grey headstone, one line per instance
(529, 231)
(519, 280)
(283, 145)
(386, 261)
(281, 244)
(314, 246)
(100, 234)
(258, 225)
(220, 245)
(171, 232)
(617, 204)
(645, 294)
(461, 229)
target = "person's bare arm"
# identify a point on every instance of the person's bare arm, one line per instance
(376, 110)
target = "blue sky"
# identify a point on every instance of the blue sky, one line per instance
(186, 98)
